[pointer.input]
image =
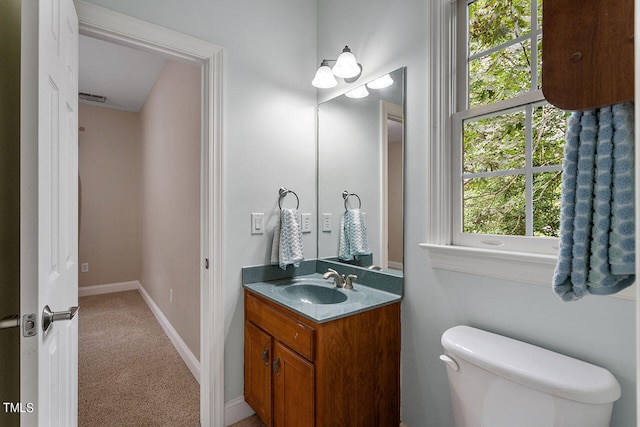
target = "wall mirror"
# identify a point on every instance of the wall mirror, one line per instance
(361, 152)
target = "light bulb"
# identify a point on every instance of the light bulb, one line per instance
(359, 92)
(381, 82)
(346, 65)
(324, 78)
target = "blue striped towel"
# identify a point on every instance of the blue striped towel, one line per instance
(353, 235)
(287, 247)
(597, 219)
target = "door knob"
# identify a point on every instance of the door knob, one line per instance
(48, 316)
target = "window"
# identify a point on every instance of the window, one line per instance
(511, 137)
(507, 140)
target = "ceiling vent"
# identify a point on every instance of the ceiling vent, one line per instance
(92, 98)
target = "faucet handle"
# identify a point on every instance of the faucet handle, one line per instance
(330, 273)
(348, 283)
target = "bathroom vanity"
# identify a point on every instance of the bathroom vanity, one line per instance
(340, 370)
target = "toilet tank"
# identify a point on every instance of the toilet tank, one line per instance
(497, 381)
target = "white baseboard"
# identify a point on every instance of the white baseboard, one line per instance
(189, 359)
(236, 410)
(396, 266)
(108, 288)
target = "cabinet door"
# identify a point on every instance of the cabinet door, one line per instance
(258, 348)
(293, 394)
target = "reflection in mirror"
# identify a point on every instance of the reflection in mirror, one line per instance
(361, 151)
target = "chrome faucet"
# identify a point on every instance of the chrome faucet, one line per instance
(338, 280)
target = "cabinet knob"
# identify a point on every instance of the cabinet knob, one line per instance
(275, 366)
(265, 357)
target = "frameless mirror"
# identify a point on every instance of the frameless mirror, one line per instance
(361, 152)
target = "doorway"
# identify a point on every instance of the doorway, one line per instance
(139, 164)
(107, 25)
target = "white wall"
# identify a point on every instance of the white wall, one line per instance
(385, 35)
(268, 125)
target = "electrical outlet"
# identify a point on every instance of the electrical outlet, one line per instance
(84, 267)
(326, 222)
(306, 223)
(171, 296)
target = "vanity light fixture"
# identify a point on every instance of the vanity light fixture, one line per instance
(359, 92)
(324, 78)
(380, 82)
(346, 67)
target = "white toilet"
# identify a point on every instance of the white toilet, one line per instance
(500, 382)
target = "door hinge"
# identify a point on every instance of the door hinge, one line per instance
(29, 328)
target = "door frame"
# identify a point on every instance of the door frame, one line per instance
(388, 111)
(114, 27)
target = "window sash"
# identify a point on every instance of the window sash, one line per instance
(462, 50)
(529, 243)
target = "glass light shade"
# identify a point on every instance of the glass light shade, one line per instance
(346, 65)
(381, 82)
(359, 92)
(324, 78)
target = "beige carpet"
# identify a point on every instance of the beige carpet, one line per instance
(129, 373)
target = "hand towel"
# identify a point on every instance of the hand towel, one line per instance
(353, 235)
(287, 247)
(597, 236)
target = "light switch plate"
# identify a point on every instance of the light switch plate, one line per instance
(257, 223)
(306, 223)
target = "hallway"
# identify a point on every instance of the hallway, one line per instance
(129, 373)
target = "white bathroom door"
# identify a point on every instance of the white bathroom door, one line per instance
(49, 213)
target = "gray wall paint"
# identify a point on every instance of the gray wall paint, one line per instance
(599, 330)
(10, 204)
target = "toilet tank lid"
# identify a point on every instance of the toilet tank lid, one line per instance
(533, 366)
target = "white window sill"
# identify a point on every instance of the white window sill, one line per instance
(523, 267)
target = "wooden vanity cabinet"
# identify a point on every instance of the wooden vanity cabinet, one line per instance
(345, 372)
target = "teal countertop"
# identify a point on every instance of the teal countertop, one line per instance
(359, 299)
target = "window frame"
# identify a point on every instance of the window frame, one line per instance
(524, 102)
(494, 262)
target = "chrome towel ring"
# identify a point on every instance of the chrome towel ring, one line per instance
(283, 193)
(346, 195)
